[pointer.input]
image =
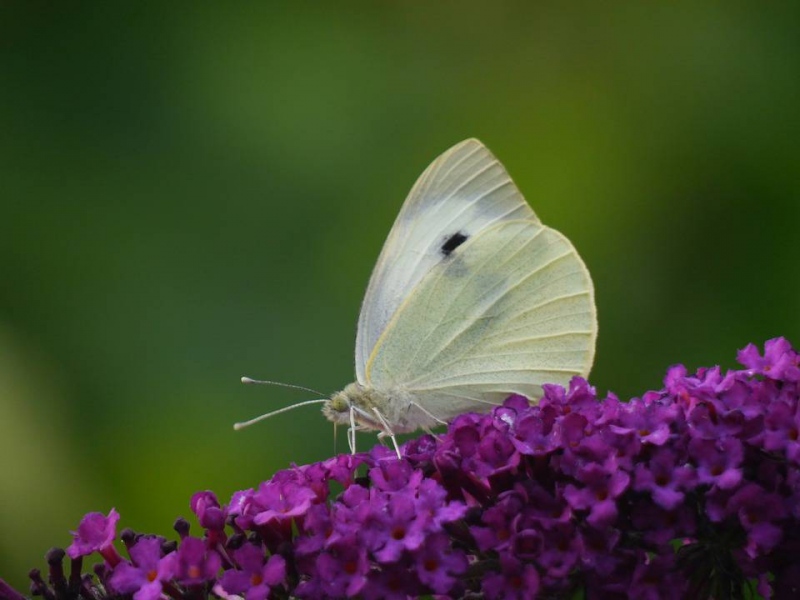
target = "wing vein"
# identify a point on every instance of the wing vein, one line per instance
(493, 303)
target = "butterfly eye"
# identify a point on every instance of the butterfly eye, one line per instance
(340, 403)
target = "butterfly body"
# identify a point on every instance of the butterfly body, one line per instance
(359, 403)
(472, 299)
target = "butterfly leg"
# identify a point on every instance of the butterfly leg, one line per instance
(351, 436)
(384, 434)
(387, 432)
(351, 431)
(431, 433)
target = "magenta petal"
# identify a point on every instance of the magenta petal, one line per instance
(275, 570)
(235, 582)
(150, 591)
(95, 532)
(127, 578)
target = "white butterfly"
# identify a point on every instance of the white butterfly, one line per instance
(472, 299)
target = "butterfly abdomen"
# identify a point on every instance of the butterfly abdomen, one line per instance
(393, 411)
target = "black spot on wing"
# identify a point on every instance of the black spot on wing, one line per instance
(453, 242)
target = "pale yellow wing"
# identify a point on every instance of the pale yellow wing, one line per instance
(510, 309)
(462, 193)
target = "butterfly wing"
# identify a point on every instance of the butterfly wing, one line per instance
(510, 309)
(461, 194)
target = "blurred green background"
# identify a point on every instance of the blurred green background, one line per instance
(191, 193)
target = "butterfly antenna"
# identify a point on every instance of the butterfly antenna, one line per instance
(242, 425)
(248, 380)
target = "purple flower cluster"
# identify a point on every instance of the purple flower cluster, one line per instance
(692, 491)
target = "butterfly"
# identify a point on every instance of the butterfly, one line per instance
(472, 299)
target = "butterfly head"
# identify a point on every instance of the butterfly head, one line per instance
(337, 408)
(354, 404)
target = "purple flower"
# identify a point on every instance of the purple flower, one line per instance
(496, 452)
(534, 433)
(392, 582)
(342, 569)
(395, 475)
(243, 508)
(599, 495)
(601, 551)
(652, 581)
(317, 530)
(9, 593)
(438, 565)
(778, 362)
(718, 463)
(256, 574)
(649, 421)
(758, 511)
(144, 577)
(561, 552)
(496, 535)
(547, 508)
(515, 580)
(96, 533)
(341, 468)
(464, 434)
(281, 501)
(664, 478)
(526, 544)
(433, 506)
(196, 565)
(393, 527)
(782, 429)
(682, 492)
(206, 506)
(659, 526)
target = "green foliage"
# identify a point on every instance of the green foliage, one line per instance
(189, 196)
